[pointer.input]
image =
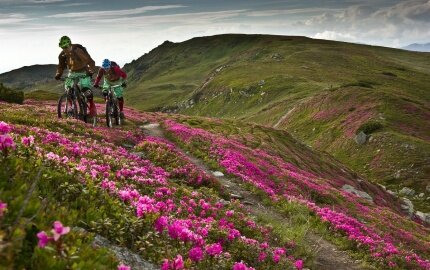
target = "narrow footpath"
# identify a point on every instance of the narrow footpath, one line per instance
(327, 255)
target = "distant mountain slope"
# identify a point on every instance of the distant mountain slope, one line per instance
(323, 92)
(29, 77)
(418, 47)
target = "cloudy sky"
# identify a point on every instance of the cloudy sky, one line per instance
(123, 30)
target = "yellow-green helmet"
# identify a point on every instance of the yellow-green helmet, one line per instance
(65, 42)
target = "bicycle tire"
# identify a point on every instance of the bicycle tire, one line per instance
(64, 101)
(109, 114)
(116, 113)
(82, 110)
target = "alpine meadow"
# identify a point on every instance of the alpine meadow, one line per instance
(221, 150)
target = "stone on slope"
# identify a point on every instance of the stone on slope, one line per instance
(423, 216)
(360, 138)
(124, 255)
(359, 193)
(407, 191)
(408, 207)
(218, 174)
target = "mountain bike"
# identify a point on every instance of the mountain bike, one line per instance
(112, 107)
(74, 104)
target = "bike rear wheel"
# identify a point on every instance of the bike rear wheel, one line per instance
(109, 112)
(82, 110)
(116, 114)
(67, 107)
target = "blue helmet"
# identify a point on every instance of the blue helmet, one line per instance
(106, 64)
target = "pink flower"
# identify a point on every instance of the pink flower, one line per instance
(214, 249)
(4, 127)
(161, 223)
(276, 258)
(59, 230)
(123, 267)
(3, 207)
(6, 142)
(27, 140)
(262, 256)
(165, 265)
(43, 239)
(241, 266)
(196, 254)
(299, 264)
(178, 263)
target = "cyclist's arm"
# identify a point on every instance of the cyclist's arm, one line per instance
(62, 64)
(99, 76)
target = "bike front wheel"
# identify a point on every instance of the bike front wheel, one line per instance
(67, 107)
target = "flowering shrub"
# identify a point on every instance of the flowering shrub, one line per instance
(179, 226)
(3, 208)
(383, 238)
(6, 141)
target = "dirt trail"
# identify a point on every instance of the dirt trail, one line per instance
(327, 255)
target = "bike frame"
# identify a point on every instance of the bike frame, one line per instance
(112, 100)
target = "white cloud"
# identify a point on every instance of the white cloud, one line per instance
(12, 18)
(387, 26)
(332, 35)
(265, 13)
(198, 18)
(45, 1)
(113, 13)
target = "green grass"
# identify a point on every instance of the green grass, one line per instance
(42, 95)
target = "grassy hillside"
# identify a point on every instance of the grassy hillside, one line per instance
(30, 78)
(322, 92)
(154, 196)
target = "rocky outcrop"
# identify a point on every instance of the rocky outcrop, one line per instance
(124, 255)
(359, 193)
(407, 191)
(361, 138)
(408, 207)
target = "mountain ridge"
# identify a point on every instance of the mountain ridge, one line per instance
(419, 47)
(323, 92)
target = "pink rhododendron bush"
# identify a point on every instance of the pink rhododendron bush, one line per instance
(63, 182)
(376, 226)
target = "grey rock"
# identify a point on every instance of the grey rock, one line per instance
(124, 255)
(236, 196)
(408, 207)
(361, 138)
(407, 191)
(149, 126)
(139, 154)
(127, 145)
(276, 56)
(261, 83)
(421, 195)
(224, 202)
(397, 174)
(382, 186)
(359, 193)
(392, 192)
(423, 216)
(218, 174)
